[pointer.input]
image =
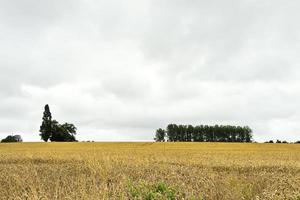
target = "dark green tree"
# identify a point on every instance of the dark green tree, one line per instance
(200, 131)
(181, 133)
(160, 135)
(12, 138)
(55, 132)
(189, 133)
(248, 133)
(171, 132)
(196, 134)
(46, 127)
(63, 132)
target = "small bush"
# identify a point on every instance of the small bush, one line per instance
(271, 141)
(150, 192)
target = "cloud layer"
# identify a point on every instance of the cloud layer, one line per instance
(118, 70)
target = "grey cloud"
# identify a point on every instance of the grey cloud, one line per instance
(119, 70)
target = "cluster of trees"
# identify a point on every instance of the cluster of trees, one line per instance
(12, 138)
(55, 132)
(277, 141)
(284, 142)
(204, 133)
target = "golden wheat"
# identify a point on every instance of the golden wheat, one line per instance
(149, 171)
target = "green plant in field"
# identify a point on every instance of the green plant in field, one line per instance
(158, 190)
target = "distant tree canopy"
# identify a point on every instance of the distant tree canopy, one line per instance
(55, 132)
(12, 138)
(160, 135)
(270, 141)
(204, 133)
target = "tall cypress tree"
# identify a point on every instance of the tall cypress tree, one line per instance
(46, 127)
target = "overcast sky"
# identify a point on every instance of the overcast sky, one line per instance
(120, 69)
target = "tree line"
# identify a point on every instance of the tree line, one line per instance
(204, 133)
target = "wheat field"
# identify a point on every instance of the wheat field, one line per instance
(149, 171)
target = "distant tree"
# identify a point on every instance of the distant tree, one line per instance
(160, 135)
(297, 142)
(221, 133)
(198, 135)
(171, 132)
(278, 141)
(12, 138)
(55, 132)
(63, 133)
(176, 130)
(217, 134)
(284, 141)
(240, 134)
(248, 134)
(181, 133)
(46, 127)
(209, 133)
(233, 135)
(189, 133)
(18, 138)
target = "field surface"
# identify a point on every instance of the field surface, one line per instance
(149, 171)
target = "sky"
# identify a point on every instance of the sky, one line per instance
(120, 69)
